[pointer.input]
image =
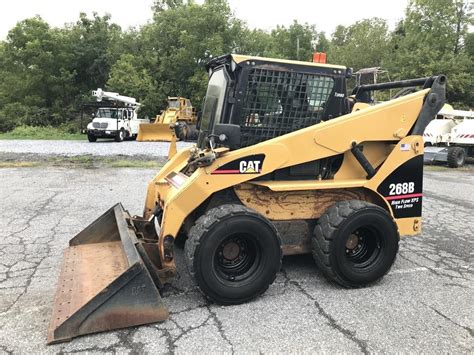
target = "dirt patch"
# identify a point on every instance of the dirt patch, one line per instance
(17, 160)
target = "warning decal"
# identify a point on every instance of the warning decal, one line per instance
(403, 189)
(251, 164)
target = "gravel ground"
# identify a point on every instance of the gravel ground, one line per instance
(99, 148)
(424, 305)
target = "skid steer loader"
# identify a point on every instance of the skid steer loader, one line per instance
(179, 119)
(284, 165)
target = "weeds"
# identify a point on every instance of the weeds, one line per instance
(30, 132)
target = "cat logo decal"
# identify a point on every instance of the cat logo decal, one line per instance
(251, 164)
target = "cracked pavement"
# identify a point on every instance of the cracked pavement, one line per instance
(425, 304)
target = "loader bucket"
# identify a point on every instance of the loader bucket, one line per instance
(155, 132)
(104, 283)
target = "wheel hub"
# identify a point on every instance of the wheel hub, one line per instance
(236, 257)
(231, 250)
(352, 242)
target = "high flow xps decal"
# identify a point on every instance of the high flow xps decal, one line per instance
(403, 188)
(251, 164)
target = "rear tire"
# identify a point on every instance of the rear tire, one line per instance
(120, 136)
(91, 138)
(456, 157)
(193, 133)
(355, 243)
(233, 253)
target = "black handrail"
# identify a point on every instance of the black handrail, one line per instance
(426, 82)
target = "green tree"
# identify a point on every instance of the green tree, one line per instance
(49, 71)
(177, 40)
(88, 43)
(34, 74)
(361, 45)
(469, 44)
(129, 78)
(298, 41)
(430, 40)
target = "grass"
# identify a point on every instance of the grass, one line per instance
(438, 167)
(18, 164)
(125, 163)
(29, 132)
(82, 161)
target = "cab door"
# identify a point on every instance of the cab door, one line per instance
(126, 121)
(134, 122)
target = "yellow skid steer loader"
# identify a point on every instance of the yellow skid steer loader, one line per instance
(284, 164)
(179, 120)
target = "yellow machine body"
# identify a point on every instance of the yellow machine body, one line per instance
(179, 111)
(381, 129)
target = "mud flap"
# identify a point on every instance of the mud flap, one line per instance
(104, 283)
(155, 132)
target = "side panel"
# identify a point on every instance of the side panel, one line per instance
(392, 183)
(403, 188)
(291, 205)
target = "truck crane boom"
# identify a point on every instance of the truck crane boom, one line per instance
(114, 96)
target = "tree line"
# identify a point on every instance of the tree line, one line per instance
(47, 72)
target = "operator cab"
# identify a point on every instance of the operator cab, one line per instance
(254, 99)
(173, 102)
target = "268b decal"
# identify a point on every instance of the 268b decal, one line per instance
(403, 188)
(251, 164)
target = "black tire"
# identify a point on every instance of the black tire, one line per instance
(233, 253)
(355, 243)
(120, 136)
(91, 138)
(193, 133)
(456, 157)
(182, 131)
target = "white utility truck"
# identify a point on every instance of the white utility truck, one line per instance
(450, 137)
(116, 118)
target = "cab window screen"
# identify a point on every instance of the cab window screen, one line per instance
(278, 102)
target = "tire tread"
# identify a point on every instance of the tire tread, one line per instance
(323, 234)
(453, 157)
(205, 223)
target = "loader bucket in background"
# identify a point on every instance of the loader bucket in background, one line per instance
(104, 283)
(155, 132)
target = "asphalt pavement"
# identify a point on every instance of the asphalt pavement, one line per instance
(424, 305)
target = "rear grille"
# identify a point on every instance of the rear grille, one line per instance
(102, 125)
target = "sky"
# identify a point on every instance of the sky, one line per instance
(264, 14)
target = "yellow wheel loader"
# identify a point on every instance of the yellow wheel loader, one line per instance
(179, 119)
(283, 165)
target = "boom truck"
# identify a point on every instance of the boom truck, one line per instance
(116, 119)
(283, 165)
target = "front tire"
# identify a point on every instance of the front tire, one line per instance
(182, 131)
(355, 243)
(91, 138)
(233, 253)
(456, 157)
(120, 136)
